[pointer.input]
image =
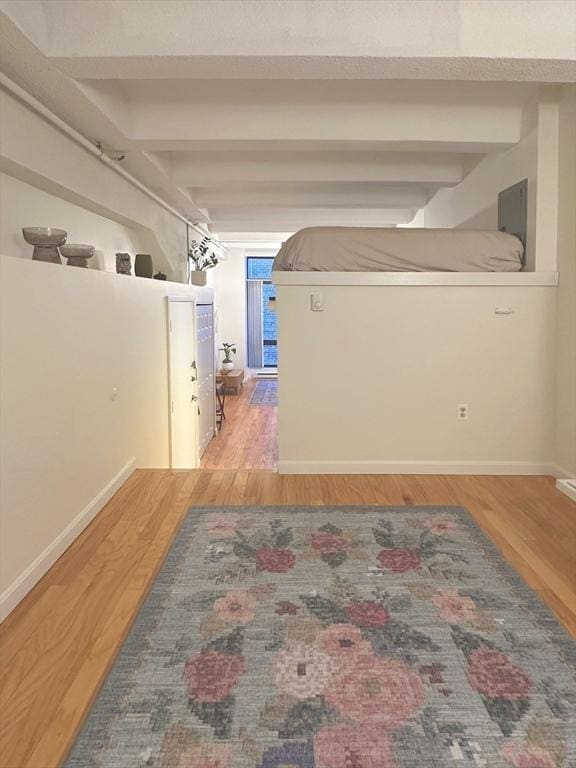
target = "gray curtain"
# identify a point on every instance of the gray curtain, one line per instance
(254, 315)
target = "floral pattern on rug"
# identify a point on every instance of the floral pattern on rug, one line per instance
(336, 638)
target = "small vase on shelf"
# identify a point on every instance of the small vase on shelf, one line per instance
(143, 265)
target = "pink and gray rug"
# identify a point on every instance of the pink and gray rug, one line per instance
(347, 637)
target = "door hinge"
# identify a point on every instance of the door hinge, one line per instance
(171, 406)
(170, 325)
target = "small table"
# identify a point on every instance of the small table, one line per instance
(233, 379)
(221, 399)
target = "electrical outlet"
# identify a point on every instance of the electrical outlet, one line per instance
(463, 412)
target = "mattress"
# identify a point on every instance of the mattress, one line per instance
(364, 249)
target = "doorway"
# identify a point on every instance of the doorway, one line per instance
(246, 438)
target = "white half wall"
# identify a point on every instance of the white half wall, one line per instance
(565, 442)
(71, 339)
(387, 366)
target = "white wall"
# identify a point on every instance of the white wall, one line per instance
(68, 337)
(386, 366)
(230, 295)
(230, 299)
(473, 204)
(23, 205)
(565, 443)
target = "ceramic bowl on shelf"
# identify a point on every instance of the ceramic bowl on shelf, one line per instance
(77, 254)
(46, 241)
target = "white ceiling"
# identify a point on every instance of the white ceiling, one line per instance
(267, 116)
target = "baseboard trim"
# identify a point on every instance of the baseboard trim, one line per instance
(11, 596)
(413, 468)
(567, 487)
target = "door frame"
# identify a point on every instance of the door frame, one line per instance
(213, 358)
(266, 254)
(171, 300)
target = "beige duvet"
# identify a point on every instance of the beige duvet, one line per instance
(363, 249)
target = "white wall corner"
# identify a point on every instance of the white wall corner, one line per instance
(16, 592)
(561, 472)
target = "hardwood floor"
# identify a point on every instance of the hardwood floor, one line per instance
(59, 643)
(247, 439)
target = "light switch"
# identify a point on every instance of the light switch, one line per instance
(316, 302)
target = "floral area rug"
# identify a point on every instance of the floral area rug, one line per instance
(350, 637)
(265, 393)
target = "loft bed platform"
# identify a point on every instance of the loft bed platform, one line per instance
(526, 279)
(406, 256)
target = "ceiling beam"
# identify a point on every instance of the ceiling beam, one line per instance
(197, 169)
(350, 196)
(281, 219)
(319, 111)
(249, 146)
(477, 68)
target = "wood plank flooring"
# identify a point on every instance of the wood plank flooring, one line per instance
(59, 643)
(247, 439)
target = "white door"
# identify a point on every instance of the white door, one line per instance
(183, 384)
(206, 386)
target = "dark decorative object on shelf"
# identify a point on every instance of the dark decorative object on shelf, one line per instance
(159, 276)
(123, 264)
(46, 241)
(143, 266)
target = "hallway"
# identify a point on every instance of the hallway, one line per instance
(247, 439)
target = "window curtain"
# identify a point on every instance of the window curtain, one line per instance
(254, 316)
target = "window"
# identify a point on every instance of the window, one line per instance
(261, 320)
